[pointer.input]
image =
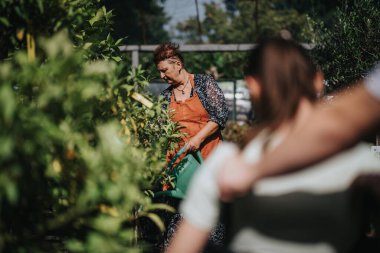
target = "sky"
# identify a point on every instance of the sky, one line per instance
(180, 10)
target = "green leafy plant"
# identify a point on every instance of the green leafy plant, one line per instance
(78, 149)
(81, 141)
(348, 50)
(235, 132)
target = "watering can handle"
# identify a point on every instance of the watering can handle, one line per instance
(179, 153)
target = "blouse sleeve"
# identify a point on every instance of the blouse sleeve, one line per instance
(213, 100)
(166, 96)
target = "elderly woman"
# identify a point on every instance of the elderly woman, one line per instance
(195, 101)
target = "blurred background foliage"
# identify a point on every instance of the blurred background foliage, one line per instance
(238, 21)
(345, 35)
(80, 142)
(141, 22)
(256, 18)
(350, 47)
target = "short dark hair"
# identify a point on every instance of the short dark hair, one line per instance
(166, 51)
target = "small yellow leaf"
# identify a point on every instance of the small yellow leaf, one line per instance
(134, 125)
(20, 34)
(127, 132)
(57, 167)
(31, 47)
(112, 211)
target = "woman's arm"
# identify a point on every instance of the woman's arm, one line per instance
(196, 141)
(165, 94)
(188, 239)
(212, 99)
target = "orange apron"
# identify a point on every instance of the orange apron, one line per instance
(191, 114)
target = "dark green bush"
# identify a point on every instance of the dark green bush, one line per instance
(348, 50)
(79, 147)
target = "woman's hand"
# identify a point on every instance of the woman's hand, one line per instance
(194, 143)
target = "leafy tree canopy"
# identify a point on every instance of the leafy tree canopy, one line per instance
(241, 22)
(318, 10)
(350, 48)
(140, 21)
(246, 22)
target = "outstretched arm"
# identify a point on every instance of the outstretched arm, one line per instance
(188, 239)
(330, 130)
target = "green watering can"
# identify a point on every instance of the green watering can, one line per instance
(182, 173)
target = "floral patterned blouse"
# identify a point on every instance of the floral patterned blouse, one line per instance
(210, 95)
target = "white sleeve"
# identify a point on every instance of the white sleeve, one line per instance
(372, 82)
(201, 205)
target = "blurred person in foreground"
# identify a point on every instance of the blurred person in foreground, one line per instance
(195, 101)
(330, 130)
(306, 211)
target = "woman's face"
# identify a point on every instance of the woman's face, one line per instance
(170, 71)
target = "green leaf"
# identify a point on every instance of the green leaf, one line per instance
(40, 6)
(159, 206)
(107, 224)
(11, 192)
(99, 15)
(8, 103)
(156, 220)
(4, 22)
(116, 58)
(87, 45)
(75, 246)
(9, 188)
(118, 42)
(6, 147)
(79, 36)
(91, 90)
(99, 67)
(104, 10)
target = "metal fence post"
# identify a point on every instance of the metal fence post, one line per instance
(234, 102)
(135, 58)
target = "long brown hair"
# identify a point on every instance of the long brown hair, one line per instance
(285, 73)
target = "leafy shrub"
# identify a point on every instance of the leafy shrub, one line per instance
(235, 132)
(348, 50)
(80, 143)
(77, 151)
